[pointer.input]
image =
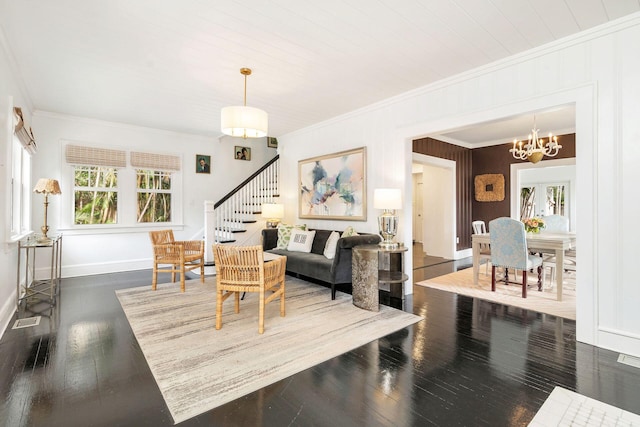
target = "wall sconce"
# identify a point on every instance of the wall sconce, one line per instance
(274, 212)
(46, 186)
(387, 199)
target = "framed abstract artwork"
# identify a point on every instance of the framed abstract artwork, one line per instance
(334, 186)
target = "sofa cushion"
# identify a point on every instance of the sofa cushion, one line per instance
(332, 243)
(320, 241)
(284, 234)
(301, 241)
(349, 231)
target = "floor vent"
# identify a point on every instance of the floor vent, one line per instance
(629, 360)
(27, 322)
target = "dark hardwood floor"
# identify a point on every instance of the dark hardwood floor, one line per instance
(468, 362)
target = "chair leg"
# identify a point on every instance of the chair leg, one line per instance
(202, 269)
(173, 273)
(219, 310)
(524, 283)
(154, 280)
(237, 298)
(261, 313)
(181, 277)
(282, 313)
(493, 278)
(539, 278)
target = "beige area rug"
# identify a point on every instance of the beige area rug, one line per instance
(567, 408)
(461, 282)
(198, 368)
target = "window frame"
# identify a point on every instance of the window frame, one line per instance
(19, 178)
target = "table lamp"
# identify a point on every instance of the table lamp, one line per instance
(387, 199)
(274, 212)
(46, 186)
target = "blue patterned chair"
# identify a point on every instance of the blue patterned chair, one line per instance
(509, 250)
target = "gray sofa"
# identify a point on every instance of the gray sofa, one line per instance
(315, 265)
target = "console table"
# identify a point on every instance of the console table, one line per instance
(378, 276)
(47, 287)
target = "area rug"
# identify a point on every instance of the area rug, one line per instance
(198, 368)
(461, 282)
(567, 408)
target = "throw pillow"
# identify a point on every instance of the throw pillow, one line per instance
(301, 241)
(349, 232)
(330, 247)
(284, 234)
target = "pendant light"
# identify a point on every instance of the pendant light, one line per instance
(247, 122)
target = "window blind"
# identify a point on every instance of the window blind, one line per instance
(23, 132)
(91, 156)
(155, 161)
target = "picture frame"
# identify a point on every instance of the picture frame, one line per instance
(334, 186)
(203, 163)
(241, 153)
(272, 142)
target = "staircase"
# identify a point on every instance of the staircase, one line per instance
(235, 218)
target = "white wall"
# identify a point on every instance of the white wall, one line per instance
(96, 251)
(597, 70)
(11, 94)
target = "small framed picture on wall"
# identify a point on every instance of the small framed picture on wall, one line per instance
(272, 142)
(242, 153)
(203, 163)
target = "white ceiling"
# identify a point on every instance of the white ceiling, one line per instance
(173, 64)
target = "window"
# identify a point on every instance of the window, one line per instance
(154, 195)
(95, 193)
(20, 191)
(111, 192)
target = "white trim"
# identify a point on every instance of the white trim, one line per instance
(91, 269)
(7, 311)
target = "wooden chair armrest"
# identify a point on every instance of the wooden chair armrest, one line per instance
(274, 270)
(191, 245)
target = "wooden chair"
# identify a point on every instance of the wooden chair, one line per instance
(509, 250)
(242, 269)
(181, 256)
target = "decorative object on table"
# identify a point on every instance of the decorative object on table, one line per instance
(536, 148)
(46, 186)
(388, 199)
(489, 187)
(334, 186)
(272, 142)
(247, 122)
(242, 153)
(533, 225)
(203, 163)
(273, 212)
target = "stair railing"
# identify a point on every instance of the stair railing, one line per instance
(232, 212)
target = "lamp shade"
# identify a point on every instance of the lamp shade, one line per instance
(273, 210)
(47, 186)
(387, 198)
(243, 121)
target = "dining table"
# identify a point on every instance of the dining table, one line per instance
(552, 242)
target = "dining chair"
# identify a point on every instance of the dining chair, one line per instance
(479, 227)
(555, 224)
(509, 250)
(177, 256)
(243, 269)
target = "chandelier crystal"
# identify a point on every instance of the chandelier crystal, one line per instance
(536, 148)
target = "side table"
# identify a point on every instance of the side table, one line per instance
(378, 276)
(47, 287)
